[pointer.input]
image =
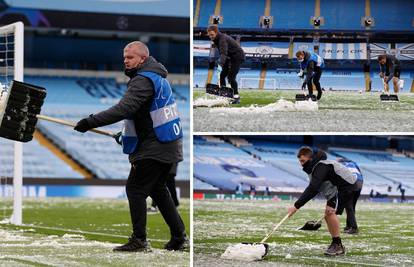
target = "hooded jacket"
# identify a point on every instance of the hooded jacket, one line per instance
(322, 170)
(136, 104)
(228, 48)
(327, 189)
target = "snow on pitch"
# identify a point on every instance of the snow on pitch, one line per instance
(280, 105)
(244, 252)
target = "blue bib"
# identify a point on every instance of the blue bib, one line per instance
(315, 58)
(164, 114)
(353, 167)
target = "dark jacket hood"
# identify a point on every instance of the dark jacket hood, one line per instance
(318, 156)
(150, 64)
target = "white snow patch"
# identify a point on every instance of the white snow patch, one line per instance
(73, 236)
(211, 101)
(244, 252)
(280, 105)
(288, 256)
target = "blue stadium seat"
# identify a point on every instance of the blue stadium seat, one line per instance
(392, 15)
(226, 167)
(295, 14)
(242, 13)
(38, 162)
(206, 9)
(342, 15)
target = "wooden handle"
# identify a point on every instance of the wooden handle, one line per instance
(71, 124)
(320, 220)
(274, 229)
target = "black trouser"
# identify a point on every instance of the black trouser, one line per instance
(230, 70)
(350, 219)
(171, 188)
(315, 79)
(345, 202)
(148, 178)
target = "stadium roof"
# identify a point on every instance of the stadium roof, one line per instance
(172, 8)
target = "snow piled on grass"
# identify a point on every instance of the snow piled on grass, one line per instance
(337, 112)
(24, 248)
(244, 252)
(211, 101)
(280, 105)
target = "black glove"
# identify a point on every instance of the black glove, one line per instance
(304, 86)
(82, 126)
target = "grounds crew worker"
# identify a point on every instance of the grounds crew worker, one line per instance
(231, 58)
(322, 170)
(153, 143)
(313, 64)
(390, 69)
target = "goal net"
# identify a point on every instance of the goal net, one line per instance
(11, 152)
(255, 83)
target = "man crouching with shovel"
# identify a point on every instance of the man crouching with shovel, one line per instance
(321, 170)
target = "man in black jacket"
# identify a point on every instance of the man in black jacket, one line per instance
(390, 69)
(321, 170)
(152, 160)
(231, 58)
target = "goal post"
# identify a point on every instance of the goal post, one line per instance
(253, 83)
(11, 68)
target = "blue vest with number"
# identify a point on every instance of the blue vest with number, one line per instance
(164, 114)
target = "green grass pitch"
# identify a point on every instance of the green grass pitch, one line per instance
(82, 232)
(386, 235)
(337, 112)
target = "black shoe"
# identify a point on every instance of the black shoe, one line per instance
(134, 245)
(177, 243)
(335, 250)
(346, 228)
(319, 95)
(352, 231)
(236, 99)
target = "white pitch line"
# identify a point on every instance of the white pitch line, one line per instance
(349, 262)
(24, 260)
(84, 232)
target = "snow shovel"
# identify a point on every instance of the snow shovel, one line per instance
(312, 225)
(215, 89)
(250, 251)
(387, 97)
